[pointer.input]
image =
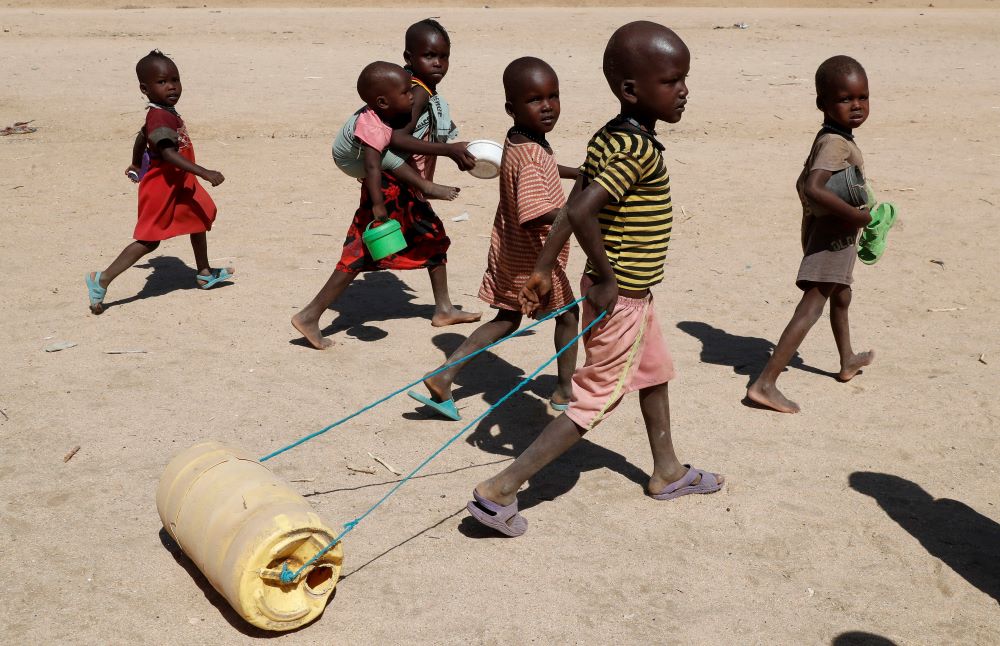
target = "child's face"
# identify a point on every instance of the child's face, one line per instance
(429, 58)
(162, 83)
(396, 103)
(845, 104)
(660, 90)
(535, 104)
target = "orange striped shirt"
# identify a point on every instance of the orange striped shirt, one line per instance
(529, 188)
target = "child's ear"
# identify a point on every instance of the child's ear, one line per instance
(144, 90)
(627, 90)
(382, 103)
(407, 57)
(509, 108)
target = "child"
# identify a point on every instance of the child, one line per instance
(386, 90)
(620, 213)
(530, 198)
(829, 230)
(411, 133)
(171, 201)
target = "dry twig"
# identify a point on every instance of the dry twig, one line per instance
(384, 463)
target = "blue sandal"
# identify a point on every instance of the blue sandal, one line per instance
(216, 276)
(95, 292)
(445, 408)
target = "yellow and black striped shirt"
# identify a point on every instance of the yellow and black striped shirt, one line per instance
(637, 221)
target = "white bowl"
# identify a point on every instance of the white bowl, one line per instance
(488, 155)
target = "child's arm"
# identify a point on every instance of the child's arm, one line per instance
(373, 182)
(138, 148)
(582, 215)
(815, 189)
(404, 141)
(568, 172)
(168, 151)
(579, 217)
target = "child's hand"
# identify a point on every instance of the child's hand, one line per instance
(213, 177)
(379, 213)
(535, 292)
(132, 172)
(603, 295)
(461, 155)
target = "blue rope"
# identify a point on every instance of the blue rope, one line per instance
(288, 576)
(414, 383)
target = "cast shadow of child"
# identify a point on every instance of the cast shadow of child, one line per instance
(967, 541)
(374, 296)
(745, 354)
(509, 429)
(168, 274)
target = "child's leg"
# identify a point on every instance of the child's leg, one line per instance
(763, 390)
(667, 469)
(128, 257)
(409, 175)
(505, 322)
(850, 363)
(307, 320)
(444, 312)
(567, 327)
(199, 244)
(558, 437)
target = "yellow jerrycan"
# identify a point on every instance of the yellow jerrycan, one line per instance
(239, 524)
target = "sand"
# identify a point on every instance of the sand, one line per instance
(873, 511)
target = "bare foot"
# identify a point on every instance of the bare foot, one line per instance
(441, 192)
(768, 395)
(453, 316)
(310, 330)
(439, 389)
(853, 366)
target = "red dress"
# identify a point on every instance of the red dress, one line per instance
(171, 201)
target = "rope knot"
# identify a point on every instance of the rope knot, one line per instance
(287, 576)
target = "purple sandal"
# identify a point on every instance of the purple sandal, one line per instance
(505, 520)
(708, 484)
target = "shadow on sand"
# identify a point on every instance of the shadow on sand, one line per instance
(859, 638)
(746, 355)
(169, 274)
(967, 541)
(509, 430)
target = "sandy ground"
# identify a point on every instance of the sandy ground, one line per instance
(874, 511)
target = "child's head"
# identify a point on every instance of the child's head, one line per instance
(428, 49)
(158, 78)
(532, 91)
(385, 88)
(842, 92)
(646, 65)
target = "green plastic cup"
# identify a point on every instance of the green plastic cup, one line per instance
(383, 240)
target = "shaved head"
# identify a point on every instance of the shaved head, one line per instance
(378, 78)
(633, 46)
(833, 71)
(522, 72)
(419, 32)
(150, 62)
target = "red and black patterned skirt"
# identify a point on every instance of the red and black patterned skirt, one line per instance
(426, 242)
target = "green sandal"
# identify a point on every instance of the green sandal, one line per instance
(872, 243)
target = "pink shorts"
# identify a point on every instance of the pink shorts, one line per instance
(625, 352)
